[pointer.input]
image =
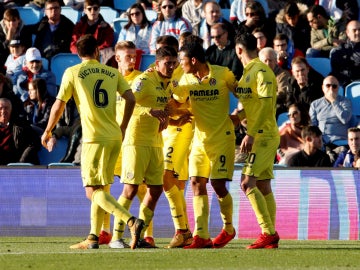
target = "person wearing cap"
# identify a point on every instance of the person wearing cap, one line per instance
(12, 27)
(53, 32)
(33, 69)
(16, 58)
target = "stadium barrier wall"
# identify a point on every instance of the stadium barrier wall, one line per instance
(311, 204)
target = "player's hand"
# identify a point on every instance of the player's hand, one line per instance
(182, 120)
(51, 144)
(246, 144)
(162, 116)
(45, 139)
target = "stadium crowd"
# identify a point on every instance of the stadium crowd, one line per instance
(320, 129)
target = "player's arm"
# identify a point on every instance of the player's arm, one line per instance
(130, 101)
(56, 112)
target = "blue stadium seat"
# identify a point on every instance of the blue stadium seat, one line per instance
(56, 155)
(146, 61)
(60, 164)
(29, 15)
(226, 13)
(321, 65)
(62, 61)
(109, 14)
(123, 5)
(70, 13)
(118, 24)
(19, 164)
(282, 118)
(45, 63)
(352, 91)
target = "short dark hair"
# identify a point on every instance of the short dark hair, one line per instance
(11, 14)
(86, 45)
(53, 1)
(91, 3)
(247, 40)
(316, 10)
(168, 40)
(291, 9)
(354, 129)
(194, 49)
(165, 51)
(309, 131)
(281, 36)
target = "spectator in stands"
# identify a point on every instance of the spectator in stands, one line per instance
(238, 13)
(311, 155)
(290, 133)
(306, 85)
(357, 160)
(268, 56)
(36, 4)
(332, 114)
(6, 91)
(75, 4)
(16, 58)
(285, 51)
(169, 22)
(32, 70)
(11, 28)
(222, 52)
(261, 37)
(138, 29)
(347, 157)
(292, 22)
(212, 14)
(38, 106)
(326, 33)
(345, 60)
(255, 18)
(93, 23)
(18, 142)
(53, 32)
(191, 11)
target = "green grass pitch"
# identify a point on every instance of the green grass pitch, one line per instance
(47, 253)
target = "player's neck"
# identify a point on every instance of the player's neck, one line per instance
(202, 71)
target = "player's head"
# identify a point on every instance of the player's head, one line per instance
(167, 40)
(191, 55)
(125, 55)
(166, 61)
(87, 46)
(245, 44)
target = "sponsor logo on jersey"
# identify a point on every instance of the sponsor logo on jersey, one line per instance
(204, 93)
(212, 81)
(243, 90)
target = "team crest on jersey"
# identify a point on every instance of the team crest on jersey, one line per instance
(247, 78)
(138, 86)
(212, 81)
(175, 83)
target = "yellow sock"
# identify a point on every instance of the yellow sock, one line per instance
(141, 195)
(145, 214)
(271, 205)
(176, 208)
(109, 204)
(226, 212)
(106, 222)
(119, 225)
(259, 206)
(96, 218)
(183, 202)
(201, 213)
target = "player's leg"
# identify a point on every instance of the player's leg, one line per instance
(222, 159)
(105, 233)
(95, 176)
(259, 166)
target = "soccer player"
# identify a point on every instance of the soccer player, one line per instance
(94, 88)
(125, 56)
(177, 139)
(213, 147)
(142, 152)
(257, 94)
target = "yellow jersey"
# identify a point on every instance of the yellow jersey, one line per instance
(257, 93)
(151, 92)
(209, 101)
(94, 87)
